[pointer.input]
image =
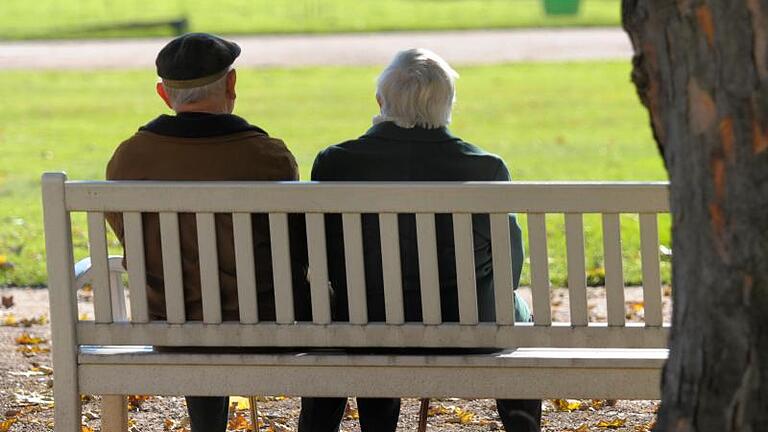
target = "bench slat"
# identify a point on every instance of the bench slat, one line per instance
(355, 268)
(172, 276)
(318, 268)
(464, 246)
(537, 243)
(209, 267)
(246, 272)
(137, 270)
(501, 254)
(614, 274)
(428, 272)
(102, 293)
(392, 272)
(281, 268)
(649, 246)
(577, 284)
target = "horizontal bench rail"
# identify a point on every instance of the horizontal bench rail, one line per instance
(484, 335)
(329, 197)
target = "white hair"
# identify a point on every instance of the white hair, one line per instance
(179, 96)
(417, 89)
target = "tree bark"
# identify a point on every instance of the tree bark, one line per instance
(701, 69)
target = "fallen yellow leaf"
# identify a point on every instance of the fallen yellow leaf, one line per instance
(10, 321)
(27, 339)
(351, 413)
(239, 423)
(567, 405)
(239, 402)
(6, 425)
(85, 429)
(611, 424)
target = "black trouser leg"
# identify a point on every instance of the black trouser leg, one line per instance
(208, 413)
(378, 414)
(321, 414)
(519, 415)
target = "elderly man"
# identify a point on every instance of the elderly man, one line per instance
(409, 141)
(203, 141)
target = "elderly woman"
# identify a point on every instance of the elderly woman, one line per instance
(409, 141)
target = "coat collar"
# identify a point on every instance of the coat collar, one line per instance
(389, 130)
(199, 125)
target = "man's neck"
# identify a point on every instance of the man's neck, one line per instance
(203, 107)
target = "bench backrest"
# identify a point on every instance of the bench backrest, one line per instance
(461, 200)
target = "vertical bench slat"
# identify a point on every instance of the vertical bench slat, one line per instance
(501, 254)
(245, 267)
(614, 274)
(540, 290)
(172, 275)
(464, 245)
(209, 267)
(137, 269)
(649, 246)
(117, 289)
(102, 293)
(577, 284)
(281, 268)
(355, 268)
(429, 281)
(392, 272)
(318, 268)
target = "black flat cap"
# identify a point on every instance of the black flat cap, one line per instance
(195, 59)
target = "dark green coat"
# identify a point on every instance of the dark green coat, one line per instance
(390, 153)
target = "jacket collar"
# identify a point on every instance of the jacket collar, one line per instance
(199, 125)
(389, 130)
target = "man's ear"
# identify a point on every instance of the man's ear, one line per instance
(231, 81)
(163, 95)
(378, 99)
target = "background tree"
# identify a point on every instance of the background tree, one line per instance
(701, 69)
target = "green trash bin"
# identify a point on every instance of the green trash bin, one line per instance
(561, 7)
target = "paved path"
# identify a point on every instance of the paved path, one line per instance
(458, 47)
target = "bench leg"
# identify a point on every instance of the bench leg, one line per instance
(114, 413)
(423, 413)
(67, 414)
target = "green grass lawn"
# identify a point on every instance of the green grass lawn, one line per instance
(548, 121)
(86, 18)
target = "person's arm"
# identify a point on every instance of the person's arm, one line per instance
(515, 233)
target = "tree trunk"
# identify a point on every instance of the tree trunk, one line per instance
(701, 69)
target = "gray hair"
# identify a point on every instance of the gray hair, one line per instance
(417, 89)
(178, 96)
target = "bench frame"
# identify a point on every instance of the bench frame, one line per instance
(545, 359)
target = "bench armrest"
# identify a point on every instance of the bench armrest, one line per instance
(84, 276)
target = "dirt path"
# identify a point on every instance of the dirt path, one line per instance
(26, 394)
(458, 47)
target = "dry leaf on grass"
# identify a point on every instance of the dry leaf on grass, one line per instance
(5, 265)
(7, 301)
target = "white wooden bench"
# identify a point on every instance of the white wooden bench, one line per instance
(543, 359)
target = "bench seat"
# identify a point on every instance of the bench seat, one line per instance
(520, 373)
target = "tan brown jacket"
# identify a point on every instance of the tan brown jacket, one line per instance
(225, 148)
